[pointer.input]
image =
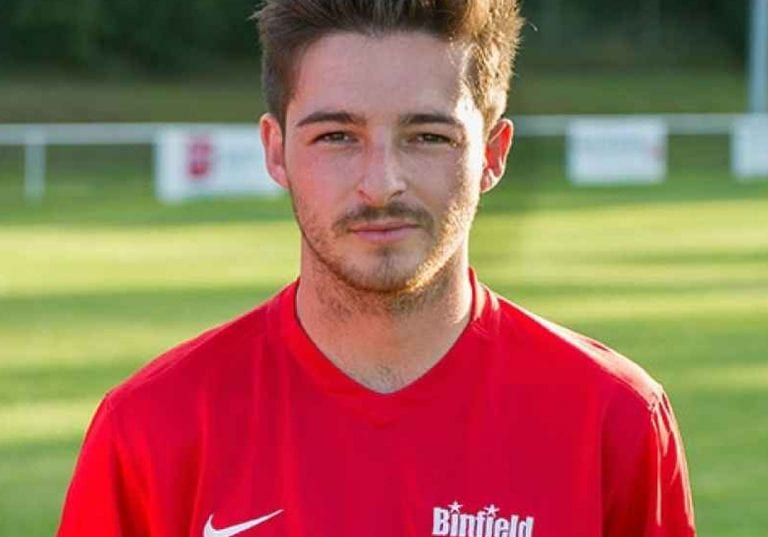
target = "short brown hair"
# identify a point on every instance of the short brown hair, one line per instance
(491, 27)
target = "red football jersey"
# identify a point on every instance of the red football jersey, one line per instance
(523, 429)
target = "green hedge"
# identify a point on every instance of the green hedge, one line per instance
(162, 35)
(155, 34)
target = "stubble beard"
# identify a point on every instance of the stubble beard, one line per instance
(387, 285)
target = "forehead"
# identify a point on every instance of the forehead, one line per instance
(369, 75)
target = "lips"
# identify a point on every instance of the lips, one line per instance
(382, 232)
(381, 227)
(395, 218)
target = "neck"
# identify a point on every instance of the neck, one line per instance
(384, 341)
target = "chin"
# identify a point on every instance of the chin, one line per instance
(388, 272)
(385, 279)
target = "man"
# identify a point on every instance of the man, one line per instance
(386, 392)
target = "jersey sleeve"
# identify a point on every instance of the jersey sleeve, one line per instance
(104, 497)
(646, 492)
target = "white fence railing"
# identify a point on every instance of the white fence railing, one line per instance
(36, 137)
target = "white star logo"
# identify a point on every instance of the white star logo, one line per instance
(455, 507)
(492, 510)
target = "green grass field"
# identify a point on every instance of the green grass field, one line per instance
(234, 96)
(99, 278)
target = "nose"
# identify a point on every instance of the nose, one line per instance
(382, 176)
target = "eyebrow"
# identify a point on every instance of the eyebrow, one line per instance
(354, 119)
(432, 117)
(331, 117)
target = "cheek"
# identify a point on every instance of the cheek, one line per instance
(316, 172)
(457, 177)
(319, 192)
(311, 205)
(474, 161)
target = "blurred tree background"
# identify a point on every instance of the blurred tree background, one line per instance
(167, 36)
(149, 35)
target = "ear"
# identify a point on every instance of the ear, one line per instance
(272, 140)
(496, 151)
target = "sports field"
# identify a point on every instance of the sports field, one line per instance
(99, 278)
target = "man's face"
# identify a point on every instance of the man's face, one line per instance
(384, 156)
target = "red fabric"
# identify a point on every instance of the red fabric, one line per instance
(523, 429)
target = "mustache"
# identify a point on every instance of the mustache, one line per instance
(393, 211)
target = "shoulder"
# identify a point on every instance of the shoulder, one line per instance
(194, 368)
(556, 354)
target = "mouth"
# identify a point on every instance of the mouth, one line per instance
(383, 231)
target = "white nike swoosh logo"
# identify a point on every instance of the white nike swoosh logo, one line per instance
(210, 531)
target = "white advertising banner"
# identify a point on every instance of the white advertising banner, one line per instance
(749, 147)
(221, 161)
(616, 150)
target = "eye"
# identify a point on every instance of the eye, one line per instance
(432, 138)
(337, 137)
